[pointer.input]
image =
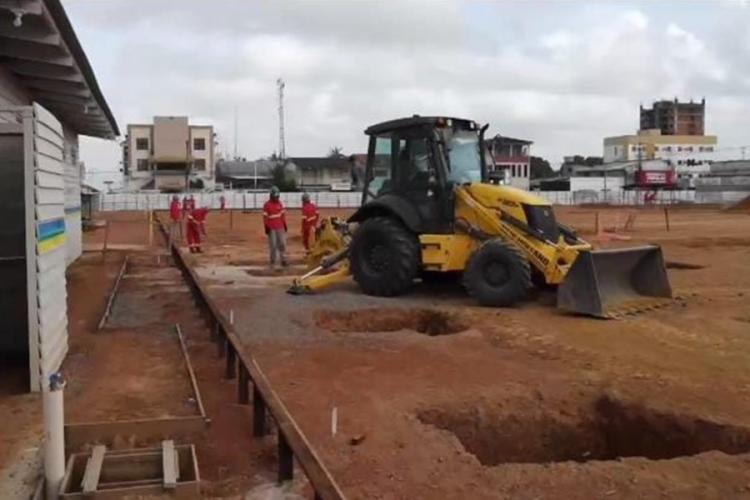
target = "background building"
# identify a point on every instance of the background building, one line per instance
(168, 155)
(690, 155)
(675, 118)
(329, 173)
(512, 161)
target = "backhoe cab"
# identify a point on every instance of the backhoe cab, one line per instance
(427, 208)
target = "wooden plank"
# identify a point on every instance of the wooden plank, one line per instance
(79, 434)
(93, 470)
(170, 473)
(323, 484)
(191, 373)
(112, 293)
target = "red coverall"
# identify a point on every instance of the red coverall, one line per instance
(195, 227)
(174, 210)
(185, 206)
(273, 215)
(274, 222)
(309, 221)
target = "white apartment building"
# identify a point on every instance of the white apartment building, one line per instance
(169, 155)
(690, 155)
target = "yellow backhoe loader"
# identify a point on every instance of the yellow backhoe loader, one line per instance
(428, 208)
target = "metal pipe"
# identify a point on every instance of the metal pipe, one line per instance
(54, 437)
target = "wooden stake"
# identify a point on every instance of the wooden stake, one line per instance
(596, 223)
(231, 219)
(666, 217)
(150, 227)
(106, 239)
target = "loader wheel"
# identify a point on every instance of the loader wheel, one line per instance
(497, 274)
(384, 257)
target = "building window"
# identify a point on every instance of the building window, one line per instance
(141, 144)
(199, 144)
(667, 148)
(689, 148)
(142, 165)
(525, 170)
(679, 148)
(199, 164)
(709, 149)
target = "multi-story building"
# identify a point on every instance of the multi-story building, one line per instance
(512, 164)
(675, 118)
(689, 155)
(168, 155)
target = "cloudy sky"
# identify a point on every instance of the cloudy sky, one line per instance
(563, 74)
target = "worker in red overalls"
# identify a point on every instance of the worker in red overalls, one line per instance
(196, 228)
(175, 220)
(185, 206)
(274, 222)
(309, 220)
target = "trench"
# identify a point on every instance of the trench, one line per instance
(608, 430)
(431, 322)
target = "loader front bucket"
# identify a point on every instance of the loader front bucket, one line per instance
(601, 283)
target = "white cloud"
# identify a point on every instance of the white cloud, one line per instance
(562, 75)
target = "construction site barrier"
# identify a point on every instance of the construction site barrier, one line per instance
(240, 200)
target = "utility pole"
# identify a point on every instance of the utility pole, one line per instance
(236, 155)
(282, 148)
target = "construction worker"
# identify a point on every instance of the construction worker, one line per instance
(196, 228)
(274, 222)
(175, 220)
(222, 203)
(309, 220)
(185, 206)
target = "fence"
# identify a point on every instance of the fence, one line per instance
(254, 200)
(234, 199)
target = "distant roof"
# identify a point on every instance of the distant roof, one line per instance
(504, 139)
(320, 162)
(45, 55)
(413, 121)
(240, 169)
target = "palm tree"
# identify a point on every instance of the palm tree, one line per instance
(335, 152)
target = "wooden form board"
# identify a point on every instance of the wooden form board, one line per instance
(136, 473)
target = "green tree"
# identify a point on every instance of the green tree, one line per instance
(540, 168)
(335, 152)
(282, 179)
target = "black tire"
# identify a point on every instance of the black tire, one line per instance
(497, 274)
(384, 256)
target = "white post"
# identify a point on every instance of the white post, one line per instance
(54, 439)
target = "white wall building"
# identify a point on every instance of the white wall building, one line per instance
(169, 155)
(690, 155)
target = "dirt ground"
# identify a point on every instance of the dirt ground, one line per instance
(438, 398)
(433, 397)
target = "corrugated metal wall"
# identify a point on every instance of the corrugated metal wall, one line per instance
(46, 161)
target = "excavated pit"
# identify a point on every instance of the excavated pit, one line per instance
(430, 322)
(609, 430)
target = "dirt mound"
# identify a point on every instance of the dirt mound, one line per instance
(742, 205)
(428, 321)
(608, 430)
